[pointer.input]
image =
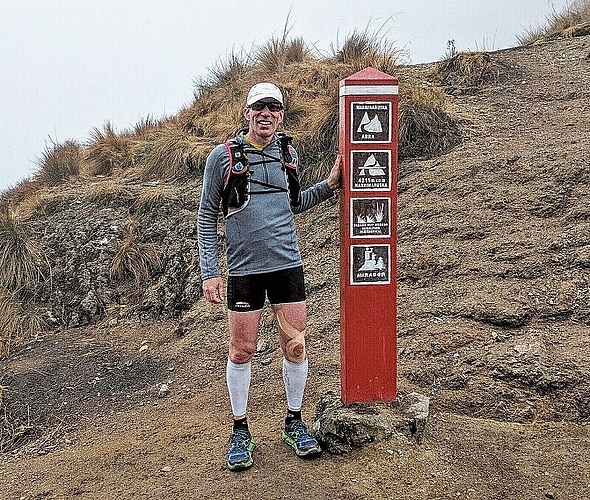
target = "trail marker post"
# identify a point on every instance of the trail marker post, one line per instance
(368, 108)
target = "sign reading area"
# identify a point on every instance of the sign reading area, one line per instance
(371, 122)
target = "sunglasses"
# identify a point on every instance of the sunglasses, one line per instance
(272, 106)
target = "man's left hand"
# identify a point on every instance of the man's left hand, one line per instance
(335, 174)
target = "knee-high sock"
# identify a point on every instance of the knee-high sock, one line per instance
(294, 376)
(238, 384)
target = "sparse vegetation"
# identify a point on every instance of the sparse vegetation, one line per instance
(425, 128)
(13, 432)
(573, 21)
(153, 198)
(133, 258)
(107, 151)
(60, 163)
(108, 192)
(40, 201)
(21, 257)
(16, 323)
(468, 69)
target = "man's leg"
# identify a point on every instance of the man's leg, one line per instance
(292, 320)
(243, 332)
(243, 328)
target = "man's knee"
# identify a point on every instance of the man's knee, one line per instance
(294, 340)
(242, 352)
(295, 351)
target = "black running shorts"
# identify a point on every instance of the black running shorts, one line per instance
(247, 293)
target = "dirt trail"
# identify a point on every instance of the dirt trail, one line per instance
(494, 324)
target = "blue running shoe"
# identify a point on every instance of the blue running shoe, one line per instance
(297, 437)
(239, 454)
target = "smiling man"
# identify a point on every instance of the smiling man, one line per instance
(253, 179)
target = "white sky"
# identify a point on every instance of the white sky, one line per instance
(68, 66)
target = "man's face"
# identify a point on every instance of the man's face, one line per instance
(262, 122)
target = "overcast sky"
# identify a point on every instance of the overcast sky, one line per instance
(68, 66)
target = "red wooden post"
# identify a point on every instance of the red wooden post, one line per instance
(368, 213)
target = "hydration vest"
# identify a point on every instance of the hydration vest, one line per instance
(236, 188)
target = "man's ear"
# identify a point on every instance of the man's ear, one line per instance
(247, 113)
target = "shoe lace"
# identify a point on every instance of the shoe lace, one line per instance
(298, 427)
(238, 440)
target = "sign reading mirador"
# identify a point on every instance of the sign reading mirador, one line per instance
(371, 122)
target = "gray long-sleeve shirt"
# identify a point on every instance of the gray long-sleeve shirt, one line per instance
(261, 237)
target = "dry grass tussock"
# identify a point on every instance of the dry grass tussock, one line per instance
(107, 151)
(173, 152)
(362, 49)
(425, 127)
(467, 69)
(107, 192)
(60, 163)
(152, 199)
(571, 22)
(21, 258)
(16, 323)
(133, 258)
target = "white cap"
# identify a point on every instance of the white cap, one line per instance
(262, 91)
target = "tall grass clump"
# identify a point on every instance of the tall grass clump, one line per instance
(573, 21)
(362, 49)
(224, 74)
(16, 323)
(21, 258)
(173, 152)
(277, 54)
(425, 126)
(467, 69)
(146, 127)
(107, 151)
(133, 258)
(59, 163)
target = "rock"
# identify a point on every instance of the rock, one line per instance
(164, 391)
(340, 428)
(262, 345)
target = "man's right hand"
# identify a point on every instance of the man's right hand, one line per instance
(213, 290)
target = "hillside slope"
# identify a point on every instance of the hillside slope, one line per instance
(494, 324)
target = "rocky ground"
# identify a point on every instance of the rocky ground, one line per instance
(493, 326)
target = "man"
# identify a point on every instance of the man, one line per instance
(254, 179)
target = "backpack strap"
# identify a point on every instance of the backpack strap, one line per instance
(235, 194)
(290, 161)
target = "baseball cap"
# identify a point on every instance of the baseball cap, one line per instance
(262, 91)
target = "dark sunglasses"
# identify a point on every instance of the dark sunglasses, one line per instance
(272, 106)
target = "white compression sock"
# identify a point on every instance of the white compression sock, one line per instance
(238, 385)
(295, 376)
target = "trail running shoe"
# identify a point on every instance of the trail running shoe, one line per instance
(297, 437)
(239, 454)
